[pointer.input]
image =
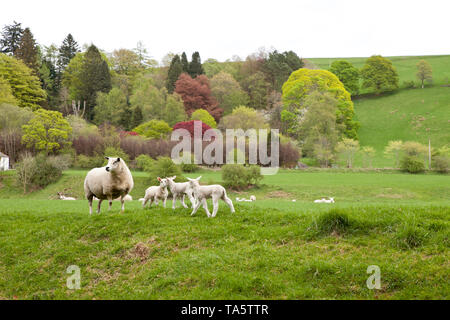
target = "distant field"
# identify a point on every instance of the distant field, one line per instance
(406, 66)
(408, 115)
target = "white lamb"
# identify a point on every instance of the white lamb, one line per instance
(156, 193)
(109, 182)
(63, 197)
(201, 193)
(180, 188)
(323, 200)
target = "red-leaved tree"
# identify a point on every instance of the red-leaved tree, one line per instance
(189, 126)
(196, 94)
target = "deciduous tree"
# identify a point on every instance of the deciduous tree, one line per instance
(228, 92)
(47, 131)
(347, 74)
(424, 72)
(379, 75)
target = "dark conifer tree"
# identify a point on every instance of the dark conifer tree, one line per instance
(185, 62)
(94, 77)
(67, 51)
(175, 69)
(11, 36)
(28, 51)
(137, 117)
(195, 67)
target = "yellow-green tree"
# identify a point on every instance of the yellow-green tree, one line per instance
(205, 117)
(379, 75)
(302, 83)
(424, 71)
(347, 148)
(47, 131)
(25, 87)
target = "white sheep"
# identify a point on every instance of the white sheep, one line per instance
(63, 197)
(177, 189)
(252, 198)
(109, 182)
(156, 193)
(323, 200)
(201, 193)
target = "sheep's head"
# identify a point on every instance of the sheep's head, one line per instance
(114, 164)
(194, 183)
(163, 182)
(170, 180)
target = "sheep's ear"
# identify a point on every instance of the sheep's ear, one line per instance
(107, 158)
(118, 159)
(189, 179)
(159, 179)
(198, 178)
(174, 177)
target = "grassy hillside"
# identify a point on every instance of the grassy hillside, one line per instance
(410, 114)
(406, 66)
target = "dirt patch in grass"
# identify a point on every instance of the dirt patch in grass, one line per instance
(141, 250)
(279, 194)
(389, 196)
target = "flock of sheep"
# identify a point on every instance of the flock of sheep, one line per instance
(114, 182)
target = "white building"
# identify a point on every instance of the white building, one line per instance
(4, 162)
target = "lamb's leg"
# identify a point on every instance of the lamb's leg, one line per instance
(145, 201)
(215, 200)
(110, 202)
(205, 206)
(99, 205)
(164, 202)
(191, 199)
(182, 202)
(229, 203)
(197, 205)
(174, 199)
(156, 201)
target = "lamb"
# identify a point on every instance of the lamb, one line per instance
(179, 188)
(323, 200)
(109, 182)
(156, 192)
(63, 197)
(201, 193)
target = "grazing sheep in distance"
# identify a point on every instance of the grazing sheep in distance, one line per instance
(63, 197)
(201, 193)
(156, 192)
(323, 200)
(252, 198)
(179, 188)
(109, 182)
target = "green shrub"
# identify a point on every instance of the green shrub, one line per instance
(164, 167)
(412, 164)
(188, 166)
(205, 117)
(441, 164)
(144, 162)
(409, 84)
(85, 162)
(47, 172)
(116, 152)
(155, 129)
(310, 162)
(62, 161)
(237, 176)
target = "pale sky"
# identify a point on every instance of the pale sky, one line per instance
(221, 29)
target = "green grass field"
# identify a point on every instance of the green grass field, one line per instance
(269, 249)
(405, 65)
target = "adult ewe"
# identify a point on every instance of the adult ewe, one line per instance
(156, 193)
(109, 182)
(201, 193)
(179, 189)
